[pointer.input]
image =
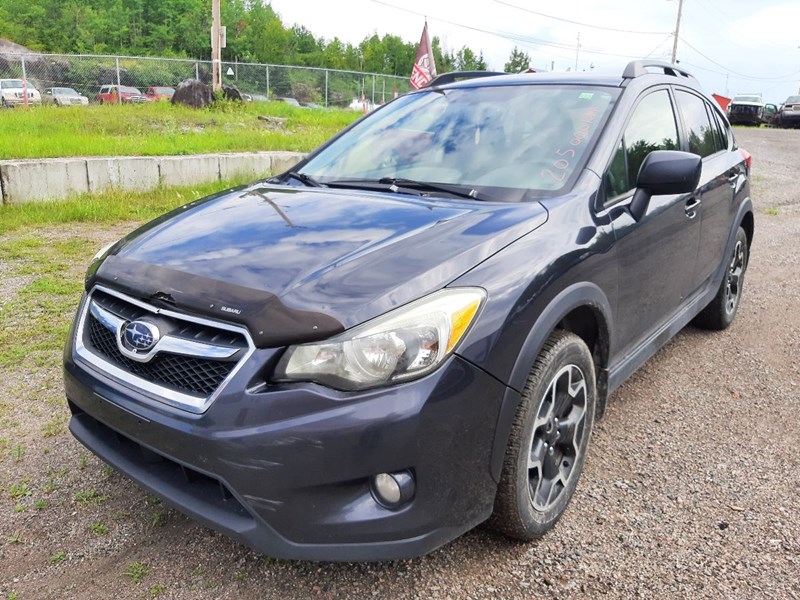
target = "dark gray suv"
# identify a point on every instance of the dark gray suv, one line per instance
(415, 329)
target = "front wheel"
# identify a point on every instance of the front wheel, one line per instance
(548, 441)
(720, 312)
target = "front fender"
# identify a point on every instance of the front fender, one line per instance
(582, 294)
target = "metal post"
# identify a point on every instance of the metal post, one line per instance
(216, 51)
(326, 88)
(119, 91)
(24, 83)
(267, 83)
(677, 32)
(197, 71)
(383, 93)
(373, 91)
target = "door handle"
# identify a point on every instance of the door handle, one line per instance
(733, 179)
(691, 207)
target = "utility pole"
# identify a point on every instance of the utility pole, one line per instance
(577, 50)
(677, 32)
(216, 50)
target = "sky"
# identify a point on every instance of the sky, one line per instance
(731, 46)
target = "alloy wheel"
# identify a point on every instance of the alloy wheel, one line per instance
(733, 286)
(558, 438)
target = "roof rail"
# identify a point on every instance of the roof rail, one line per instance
(637, 68)
(454, 76)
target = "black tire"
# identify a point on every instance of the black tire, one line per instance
(721, 311)
(542, 463)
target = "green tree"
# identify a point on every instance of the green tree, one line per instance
(466, 60)
(445, 61)
(518, 61)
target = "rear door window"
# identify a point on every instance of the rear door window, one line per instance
(703, 139)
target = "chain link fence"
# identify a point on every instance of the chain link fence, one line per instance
(308, 85)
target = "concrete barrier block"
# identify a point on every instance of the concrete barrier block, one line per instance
(102, 174)
(255, 164)
(188, 170)
(36, 180)
(283, 161)
(138, 173)
(122, 173)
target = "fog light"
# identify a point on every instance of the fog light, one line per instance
(392, 490)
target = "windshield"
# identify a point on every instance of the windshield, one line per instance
(526, 137)
(163, 90)
(793, 100)
(747, 99)
(64, 92)
(11, 84)
(129, 90)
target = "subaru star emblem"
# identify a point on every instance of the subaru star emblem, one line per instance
(140, 336)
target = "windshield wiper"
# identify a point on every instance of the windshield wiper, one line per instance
(455, 190)
(306, 179)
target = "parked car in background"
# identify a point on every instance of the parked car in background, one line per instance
(746, 109)
(361, 104)
(289, 101)
(61, 96)
(789, 113)
(113, 94)
(415, 328)
(12, 93)
(159, 92)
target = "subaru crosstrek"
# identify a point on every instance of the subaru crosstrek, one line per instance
(414, 330)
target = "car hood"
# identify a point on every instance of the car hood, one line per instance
(300, 264)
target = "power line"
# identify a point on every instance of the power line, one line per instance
(533, 12)
(742, 75)
(694, 66)
(661, 43)
(517, 38)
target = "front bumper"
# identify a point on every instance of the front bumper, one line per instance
(286, 468)
(744, 119)
(789, 119)
(14, 101)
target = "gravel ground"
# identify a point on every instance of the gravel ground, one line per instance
(691, 488)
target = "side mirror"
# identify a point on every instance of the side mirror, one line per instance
(665, 172)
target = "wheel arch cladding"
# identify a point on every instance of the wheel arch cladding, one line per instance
(582, 309)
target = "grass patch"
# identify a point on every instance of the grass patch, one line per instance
(19, 490)
(159, 128)
(58, 557)
(112, 207)
(136, 571)
(159, 518)
(772, 211)
(90, 497)
(98, 528)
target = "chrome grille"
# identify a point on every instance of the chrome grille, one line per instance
(184, 373)
(187, 367)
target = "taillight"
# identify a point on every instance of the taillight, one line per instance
(748, 158)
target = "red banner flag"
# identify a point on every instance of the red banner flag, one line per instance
(424, 66)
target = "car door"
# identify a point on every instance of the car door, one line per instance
(655, 255)
(722, 169)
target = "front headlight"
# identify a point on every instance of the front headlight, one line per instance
(403, 344)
